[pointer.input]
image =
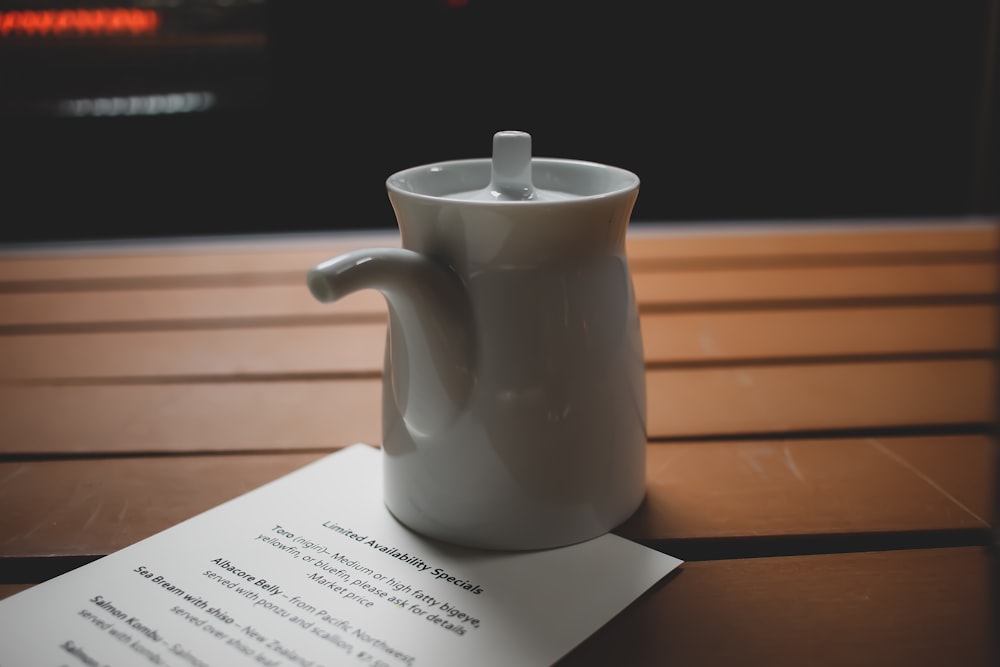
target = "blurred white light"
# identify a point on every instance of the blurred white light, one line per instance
(139, 105)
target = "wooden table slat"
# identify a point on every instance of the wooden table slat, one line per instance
(678, 290)
(157, 417)
(891, 609)
(785, 334)
(185, 257)
(806, 397)
(950, 470)
(711, 490)
(813, 239)
(798, 285)
(695, 491)
(275, 253)
(677, 338)
(175, 307)
(274, 414)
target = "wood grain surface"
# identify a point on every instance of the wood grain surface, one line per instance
(821, 401)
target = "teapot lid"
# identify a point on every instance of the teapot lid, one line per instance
(510, 177)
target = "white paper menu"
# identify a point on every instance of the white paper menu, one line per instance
(311, 570)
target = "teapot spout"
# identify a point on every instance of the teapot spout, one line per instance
(429, 353)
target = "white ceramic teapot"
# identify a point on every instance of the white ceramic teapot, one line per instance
(514, 403)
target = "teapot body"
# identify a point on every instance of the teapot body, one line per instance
(547, 446)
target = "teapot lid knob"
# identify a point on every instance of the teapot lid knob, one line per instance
(511, 174)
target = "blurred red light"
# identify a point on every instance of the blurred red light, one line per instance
(78, 22)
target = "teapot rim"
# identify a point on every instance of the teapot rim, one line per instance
(583, 180)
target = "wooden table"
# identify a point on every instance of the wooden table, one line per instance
(820, 418)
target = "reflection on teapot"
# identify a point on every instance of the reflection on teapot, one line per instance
(514, 386)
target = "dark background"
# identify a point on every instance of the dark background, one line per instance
(736, 111)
